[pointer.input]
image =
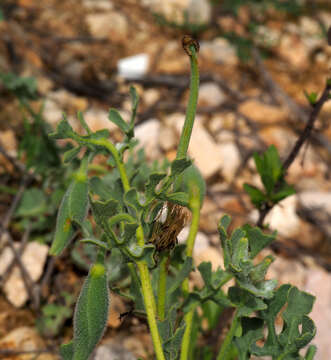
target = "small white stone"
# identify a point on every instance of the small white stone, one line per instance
(211, 95)
(167, 138)
(134, 66)
(231, 160)
(283, 217)
(220, 51)
(109, 24)
(199, 11)
(148, 135)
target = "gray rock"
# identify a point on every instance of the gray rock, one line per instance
(113, 351)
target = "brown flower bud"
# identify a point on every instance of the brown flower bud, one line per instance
(187, 41)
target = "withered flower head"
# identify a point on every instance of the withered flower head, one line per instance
(164, 234)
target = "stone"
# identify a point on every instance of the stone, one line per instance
(316, 199)
(97, 119)
(172, 10)
(133, 67)
(231, 160)
(111, 24)
(286, 271)
(286, 209)
(150, 96)
(319, 284)
(148, 135)
(205, 153)
(263, 113)
(199, 12)
(115, 310)
(33, 259)
(8, 141)
(167, 138)
(104, 5)
(210, 95)
(293, 50)
(219, 51)
(25, 339)
(112, 351)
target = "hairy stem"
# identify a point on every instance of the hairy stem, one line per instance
(149, 302)
(194, 204)
(192, 105)
(149, 299)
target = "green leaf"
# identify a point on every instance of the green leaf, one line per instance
(67, 351)
(181, 276)
(134, 98)
(64, 230)
(190, 176)
(245, 301)
(179, 198)
(82, 121)
(252, 330)
(179, 165)
(63, 130)
(33, 203)
(257, 239)
(78, 199)
(135, 101)
(96, 242)
(71, 154)
(311, 97)
(269, 167)
(172, 346)
(115, 117)
(153, 180)
(91, 312)
(284, 191)
(257, 196)
(25, 88)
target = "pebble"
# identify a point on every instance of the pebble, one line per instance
(33, 258)
(211, 95)
(133, 67)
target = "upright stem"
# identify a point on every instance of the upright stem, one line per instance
(149, 299)
(192, 105)
(194, 204)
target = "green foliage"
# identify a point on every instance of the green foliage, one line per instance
(24, 88)
(311, 97)
(127, 204)
(91, 314)
(54, 316)
(270, 169)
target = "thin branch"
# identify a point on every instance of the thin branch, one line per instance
(317, 107)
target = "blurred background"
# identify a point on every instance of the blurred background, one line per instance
(257, 59)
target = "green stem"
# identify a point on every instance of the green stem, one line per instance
(188, 318)
(119, 164)
(191, 108)
(149, 301)
(194, 204)
(228, 339)
(162, 287)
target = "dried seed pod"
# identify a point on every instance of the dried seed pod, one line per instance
(187, 41)
(164, 234)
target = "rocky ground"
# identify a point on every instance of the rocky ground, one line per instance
(85, 54)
